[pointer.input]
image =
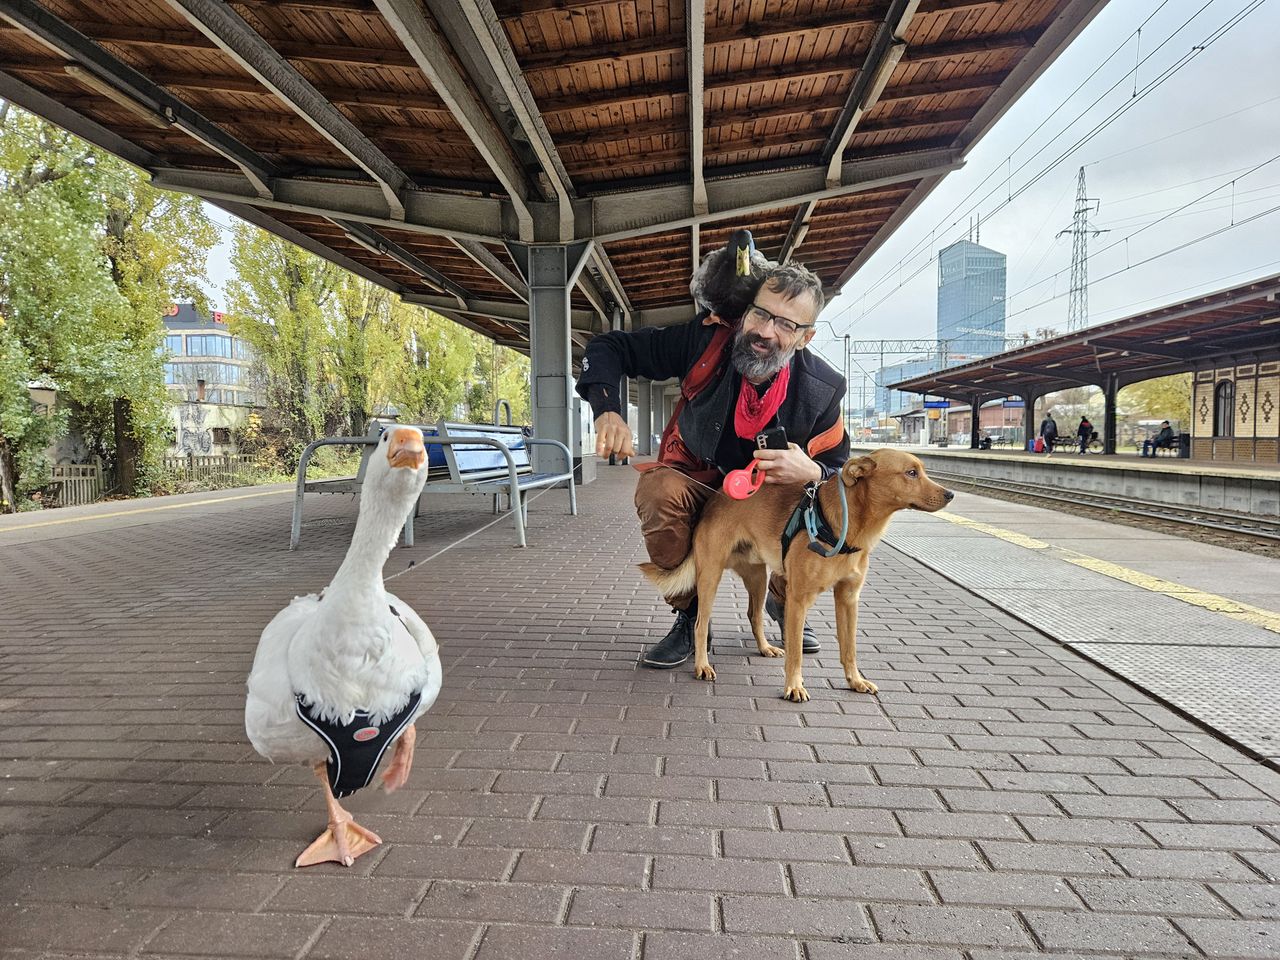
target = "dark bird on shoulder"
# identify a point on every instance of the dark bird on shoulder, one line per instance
(726, 281)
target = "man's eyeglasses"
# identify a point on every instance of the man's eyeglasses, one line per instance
(760, 316)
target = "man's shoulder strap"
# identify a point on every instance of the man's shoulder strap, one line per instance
(707, 365)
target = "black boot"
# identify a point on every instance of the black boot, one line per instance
(775, 610)
(677, 646)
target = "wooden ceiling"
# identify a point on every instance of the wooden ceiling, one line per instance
(410, 140)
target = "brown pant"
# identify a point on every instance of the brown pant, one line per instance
(669, 504)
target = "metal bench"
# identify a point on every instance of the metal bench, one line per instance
(490, 459)
(493, 460)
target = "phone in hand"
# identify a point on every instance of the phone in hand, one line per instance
(774, 438)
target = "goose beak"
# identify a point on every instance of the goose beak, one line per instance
(406, 449)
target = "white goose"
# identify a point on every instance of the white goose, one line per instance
(340, 676)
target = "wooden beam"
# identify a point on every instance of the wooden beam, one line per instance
(723, 35)
(516, 9)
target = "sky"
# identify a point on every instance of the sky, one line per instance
(1203, 126)
(1195, 123)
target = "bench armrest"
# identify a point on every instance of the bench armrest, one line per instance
(486, 442)
(568, 457)
(295, 527)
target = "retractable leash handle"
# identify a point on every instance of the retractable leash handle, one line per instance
(741, 484)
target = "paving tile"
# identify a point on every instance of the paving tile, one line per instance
(490, 902)
(114, 930)
(674, 945)
(1254, 901)
(949, 926)
(1183, 865)
(563, 867)
(787, 846)
(346, 895)
(640, 909)
(914, 853)
(1109, 932)
(386, 938)
(1060, 859)
(1169, 898)
(554, 943)
(1003, 890)
(211, 890)
(879, 884)
(800, 917)
(418, 862)
(718, 876)
(236, 935)
(1235, 938)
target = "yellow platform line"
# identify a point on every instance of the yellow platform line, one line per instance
(126, 513)
(1245, 613)
(1021, 539)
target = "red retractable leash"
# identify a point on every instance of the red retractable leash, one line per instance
(742, 483)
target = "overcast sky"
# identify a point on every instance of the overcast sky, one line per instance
(1209, 123)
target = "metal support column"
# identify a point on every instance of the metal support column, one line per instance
(975, 416)
(1029, 417)
(1111, 386)
(550, 271)
(658, 409)
(644, 415)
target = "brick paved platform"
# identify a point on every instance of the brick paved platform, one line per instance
(1001, 798)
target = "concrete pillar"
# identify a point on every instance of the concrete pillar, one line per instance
(661, 413)
(644, 415)
(1110, 387)
(975, 410)
(551, 270)
(1029, 425)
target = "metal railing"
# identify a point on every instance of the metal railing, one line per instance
(224, 467)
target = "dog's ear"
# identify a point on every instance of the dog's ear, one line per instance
(855, 470)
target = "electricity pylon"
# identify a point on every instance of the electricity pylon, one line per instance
(1078, 311)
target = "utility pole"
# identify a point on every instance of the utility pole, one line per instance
(1078, 311)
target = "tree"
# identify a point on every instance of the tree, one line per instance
(1164, 398)
(89, 252)
(278, 300)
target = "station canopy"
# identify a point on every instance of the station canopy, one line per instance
(424, 144)
(1169, 340)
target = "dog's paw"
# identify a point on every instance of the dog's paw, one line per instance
(860, 684)
(769, 650)
(704, 672)
(796, 693)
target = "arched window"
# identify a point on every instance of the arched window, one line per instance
(1224, 419)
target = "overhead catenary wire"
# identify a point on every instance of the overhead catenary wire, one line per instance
(1220, 31)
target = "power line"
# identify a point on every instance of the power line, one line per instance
(1215, 35)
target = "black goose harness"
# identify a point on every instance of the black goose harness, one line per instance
(808, 514)
(356, 747)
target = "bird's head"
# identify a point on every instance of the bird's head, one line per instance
(398, 468)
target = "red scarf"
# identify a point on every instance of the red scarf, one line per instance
(753, 410)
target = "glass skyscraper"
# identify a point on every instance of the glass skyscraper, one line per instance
(971, 289)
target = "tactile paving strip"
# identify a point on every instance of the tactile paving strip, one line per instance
(1235, 690)
(1075, 605)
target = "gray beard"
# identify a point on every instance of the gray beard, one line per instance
(757, 368)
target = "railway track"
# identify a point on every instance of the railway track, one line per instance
(1259, 529)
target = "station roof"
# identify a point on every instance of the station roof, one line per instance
(409, 140)
(1157, 343)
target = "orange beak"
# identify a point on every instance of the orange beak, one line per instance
(406, 449)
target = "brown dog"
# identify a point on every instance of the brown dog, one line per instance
(746, 537)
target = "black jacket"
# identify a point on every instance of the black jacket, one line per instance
(811, 407)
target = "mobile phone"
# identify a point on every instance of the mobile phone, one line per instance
(774, 438)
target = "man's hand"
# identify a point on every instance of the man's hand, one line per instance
(788, 466)
(613, 436)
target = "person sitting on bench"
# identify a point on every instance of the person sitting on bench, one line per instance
(1165, 438)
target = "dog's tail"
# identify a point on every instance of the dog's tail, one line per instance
(675, 582)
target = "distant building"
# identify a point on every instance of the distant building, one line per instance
(894, 401)
(207, 372)
(971, 309)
